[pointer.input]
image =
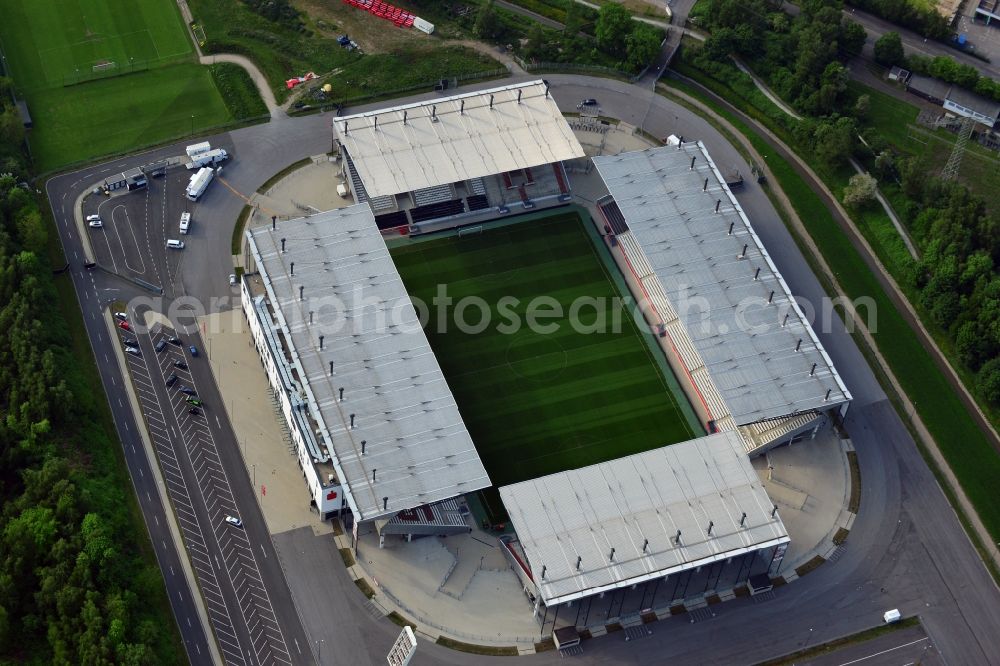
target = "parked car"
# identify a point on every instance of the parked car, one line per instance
(232, 279)
(181, 364)
(130, 342)
(193, 350)
(94, 221)
(194, 411)
(187, 390)
(160, 345)
(590, 101)
(174, 341)
(133, 350)
(121, 315)
(172, 379)
(233, 520)
(124, 326)
(196, 402)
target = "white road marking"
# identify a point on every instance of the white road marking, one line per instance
(877, 654)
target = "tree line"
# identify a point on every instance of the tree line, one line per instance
(74, 587)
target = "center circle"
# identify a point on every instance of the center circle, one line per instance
(536, 357)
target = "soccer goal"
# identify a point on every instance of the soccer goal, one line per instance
(104, 66)
(470, 231)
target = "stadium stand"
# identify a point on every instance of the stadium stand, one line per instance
(437, 210)
(524, 197)
(476, 186)
(529, 178)
(392, 220)
(433, 195)
(557, 167)
(507, 181)
(385, 202)
(478, 202)
(612, 214)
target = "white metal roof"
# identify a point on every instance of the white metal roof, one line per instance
(405, 148)
(719, 279)
(416, 444)
(621, 504)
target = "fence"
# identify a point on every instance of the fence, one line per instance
(574, 67)
(397, 92)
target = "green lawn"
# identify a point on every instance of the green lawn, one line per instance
(122, 114)
(542, 402)
(47, 41)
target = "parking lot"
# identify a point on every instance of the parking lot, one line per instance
(135, 226)
(221, 554)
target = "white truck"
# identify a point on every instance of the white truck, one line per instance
(185, 222)
(208, 158)
(198, 149)
(199, 183)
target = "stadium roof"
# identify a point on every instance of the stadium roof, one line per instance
(759, 349)
(621, 504)
(406, 148)
(416, 447)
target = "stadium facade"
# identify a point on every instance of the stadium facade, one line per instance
(377, 431)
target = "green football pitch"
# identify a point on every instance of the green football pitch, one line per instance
(538, 402)
(51, 42)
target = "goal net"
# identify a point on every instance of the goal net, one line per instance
(104, 66)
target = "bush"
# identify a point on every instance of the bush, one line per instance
(860, 190)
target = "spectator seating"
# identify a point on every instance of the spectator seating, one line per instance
(436, 210)
(613, 215)
(560, 177)
(506, 181)
(433, 195)
(392, 220)
(478, 202)
(476, 186)
(529, 178)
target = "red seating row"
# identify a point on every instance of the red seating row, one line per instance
(557, 167)
(384, 10)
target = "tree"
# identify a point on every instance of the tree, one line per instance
(860, 190)
(614, 23)
(834, 141)
(642, 44)
(889, 49)
(487, 23)
(862, 106)
(536, 42)
(988, 380)
(852, 37)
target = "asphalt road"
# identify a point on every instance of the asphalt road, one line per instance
(899, 648)
(906, 549)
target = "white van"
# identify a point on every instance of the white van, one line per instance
(175, 244)
(185, 222)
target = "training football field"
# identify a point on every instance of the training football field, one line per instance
(52, 42)
(538, 402)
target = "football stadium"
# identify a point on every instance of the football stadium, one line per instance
(470, 343)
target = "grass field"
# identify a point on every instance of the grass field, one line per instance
(122, 114)
(155, 92)
(542, 402)
(47, 41)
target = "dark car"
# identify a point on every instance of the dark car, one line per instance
(180, 364)
(194, 411)
(130, 342)
(187, 390)
(172, 379)
(196, 402)
(590, 101)
(193, 350)
(160, 345)
(174, 341)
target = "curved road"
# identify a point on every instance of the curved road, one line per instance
(906, 549)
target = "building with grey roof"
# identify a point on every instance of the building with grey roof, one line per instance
(751, 358)
(365, 392)
(644, 517)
